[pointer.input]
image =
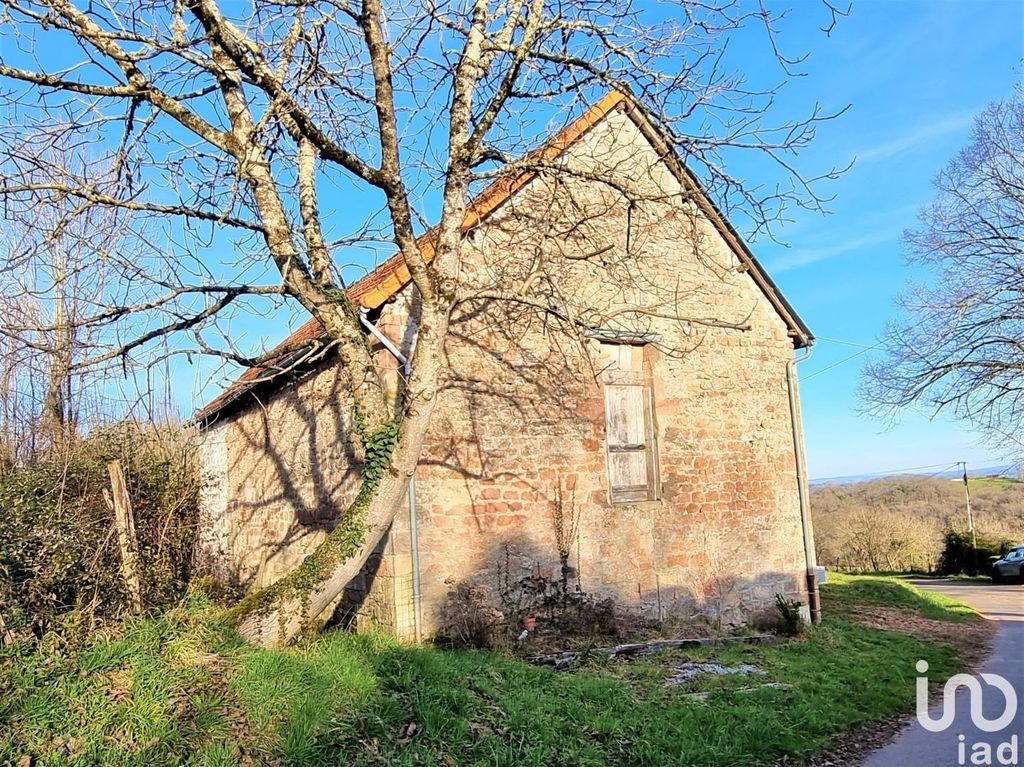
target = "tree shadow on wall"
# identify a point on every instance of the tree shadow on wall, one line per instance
(294, 464)
(520, 586)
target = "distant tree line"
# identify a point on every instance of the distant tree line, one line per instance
(900, 524)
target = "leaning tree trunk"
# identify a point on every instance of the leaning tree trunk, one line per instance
(275, 615)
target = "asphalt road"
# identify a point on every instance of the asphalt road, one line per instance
(918, 746)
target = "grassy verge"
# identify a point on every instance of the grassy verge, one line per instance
(844, 595)
(182, 690)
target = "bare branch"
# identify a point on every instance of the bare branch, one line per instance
(957, 346)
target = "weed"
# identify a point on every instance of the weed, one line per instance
(791, 621)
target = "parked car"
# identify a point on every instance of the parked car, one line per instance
(1010, 566)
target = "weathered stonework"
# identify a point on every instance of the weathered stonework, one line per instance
(213, 555)
(518, 445)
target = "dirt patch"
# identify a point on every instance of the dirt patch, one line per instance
(971, 638)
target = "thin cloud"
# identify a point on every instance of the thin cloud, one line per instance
(806, 256)
(917, 138)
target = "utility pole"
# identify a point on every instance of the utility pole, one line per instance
(970, 515)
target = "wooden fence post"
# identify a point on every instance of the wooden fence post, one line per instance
(121, 505)
(6, 637)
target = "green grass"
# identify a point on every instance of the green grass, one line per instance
(183, 690)
(843, 593)
(969, 578)
(992, 482)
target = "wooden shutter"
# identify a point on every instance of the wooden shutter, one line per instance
(632, 469)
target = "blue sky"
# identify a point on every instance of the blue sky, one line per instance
(915, 74)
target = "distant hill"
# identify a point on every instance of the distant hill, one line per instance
(897, 523)
(1007, 471)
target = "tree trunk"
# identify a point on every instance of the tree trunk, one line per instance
(275, 615)
(57, 410)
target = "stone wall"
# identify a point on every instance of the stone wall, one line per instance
(276, 476)
(213, 555)
(519, 438)
(515, 467)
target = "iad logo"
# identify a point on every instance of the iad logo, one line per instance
(975, 693)
(981, 753)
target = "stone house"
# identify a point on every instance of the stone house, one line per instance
(654, 456)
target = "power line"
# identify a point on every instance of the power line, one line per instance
(844, 343)
(942, 471)
(890, 472)
(865, 350)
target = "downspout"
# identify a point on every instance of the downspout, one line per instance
(796, 422)
(414, 543)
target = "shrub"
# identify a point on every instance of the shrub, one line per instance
(560, 610)
(791, 623)
(469, 620)
(472, 617)
(59, 552)
(960, 557)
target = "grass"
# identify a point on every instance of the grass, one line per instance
(843, 594)
(182, 690)
(969, 578)
(992, 482)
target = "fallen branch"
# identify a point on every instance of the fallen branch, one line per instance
(568, 658)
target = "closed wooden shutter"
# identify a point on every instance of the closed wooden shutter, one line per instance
(632, 470)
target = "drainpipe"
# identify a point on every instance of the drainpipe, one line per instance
(813, 597)
(414, 543)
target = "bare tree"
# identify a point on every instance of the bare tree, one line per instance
(959, 344)
(221, 131)
(52, 283)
